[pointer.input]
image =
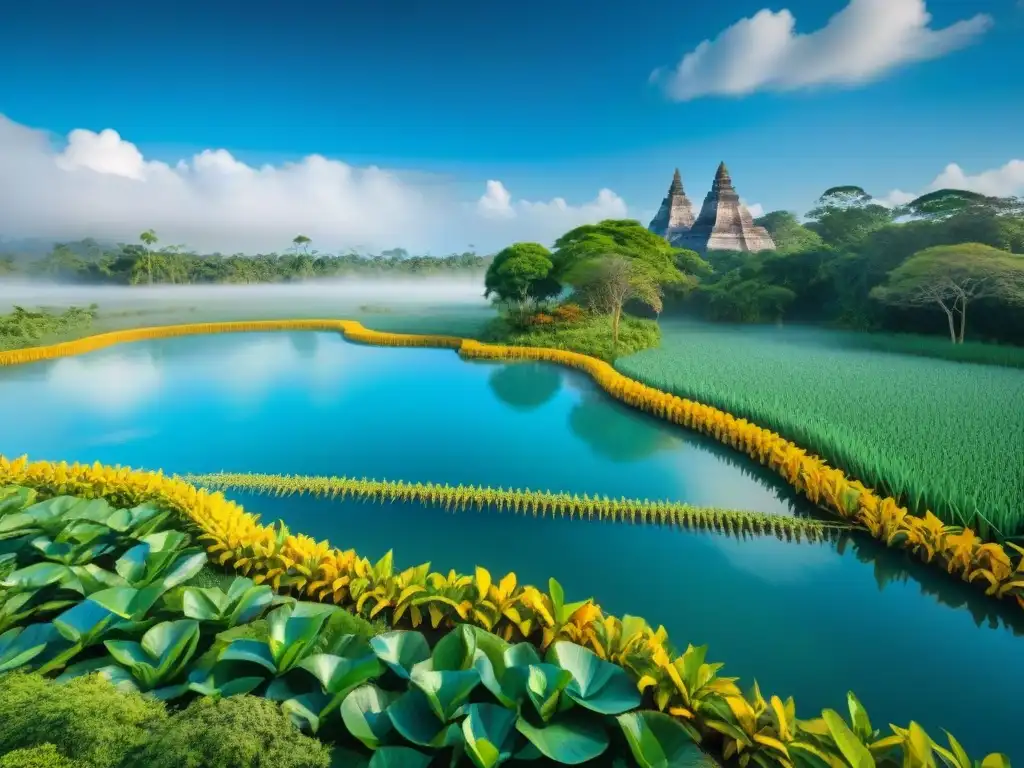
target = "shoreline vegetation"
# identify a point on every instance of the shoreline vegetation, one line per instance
(996, 568)
(459, 498)
(626, 688)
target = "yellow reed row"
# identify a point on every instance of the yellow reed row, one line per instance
(959, 551)
(542, 503)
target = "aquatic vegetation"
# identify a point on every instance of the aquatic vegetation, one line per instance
(527, 502)
(569, 686)
(22, 327)
(960, 551)
(935, 435)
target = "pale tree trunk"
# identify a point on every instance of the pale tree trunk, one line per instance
(949, 318)
(616, 316)
(963, 319)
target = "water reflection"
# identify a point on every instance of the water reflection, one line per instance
(115, 385)
(525, 386)
(614, 432)
(895, 566)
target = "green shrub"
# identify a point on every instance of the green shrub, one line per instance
(235, 732)
(42, 756)
(591, 335)
(87, 719)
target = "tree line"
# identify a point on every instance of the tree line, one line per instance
(853, 263)
(857, 264)
(148, 263)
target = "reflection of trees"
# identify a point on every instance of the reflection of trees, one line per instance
(617, 432)
(304, 343)
(525, 386)
(897, 565)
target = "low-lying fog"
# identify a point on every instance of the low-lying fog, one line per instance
(368, 293)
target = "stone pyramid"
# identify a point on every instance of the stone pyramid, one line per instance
(724, 223)
(676, 213)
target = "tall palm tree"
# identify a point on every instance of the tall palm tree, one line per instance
(149, 239)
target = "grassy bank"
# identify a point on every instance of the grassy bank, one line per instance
(591, 335)
(45, 325)
(939, 435)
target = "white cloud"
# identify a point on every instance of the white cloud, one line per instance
(549, 219)
(859, 43)
(1004, 181)
(756, 209)
(113, 384)
(101, 185)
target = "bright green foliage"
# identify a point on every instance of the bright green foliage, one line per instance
(237, 732)
(87, 719)
(42, 756)
(471, 694)
(24, 328)
(938, 435)
(520, 273)
(614, 237)
(789, 234)
(590, 336)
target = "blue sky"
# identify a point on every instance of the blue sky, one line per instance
(553, 99)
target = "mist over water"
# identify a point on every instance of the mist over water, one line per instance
(380, 292)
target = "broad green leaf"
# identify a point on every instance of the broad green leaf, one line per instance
(364, 714)
(660, 741)
(187, 565)
(121, 601)
(225, 679)
(597, 684)
(544, 684)
(95, 510)
(204, 603)
(305, 710)
(19, 646)
(14, 498)
(171, 644)
(339, 675)
(920, 747)
(572, 739)
(488, 731)
(250, 604)
(446, 691)
(294, 630)
(84, 622)
(39, 575)
(165, 541)
(401, 650)
(557, 598)
(252, 651)
(414, 719)
(522, 655)
(958, 752)
(455, 650)
(853, 750)
(399, 757)
(859, 718)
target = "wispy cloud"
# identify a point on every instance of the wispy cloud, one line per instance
(101, 185)
(860, 43)
(1005, 181)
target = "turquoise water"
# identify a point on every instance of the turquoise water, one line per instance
(808, 620)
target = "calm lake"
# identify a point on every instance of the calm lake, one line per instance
(808, 620)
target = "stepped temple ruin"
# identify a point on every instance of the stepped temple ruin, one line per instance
(724, 223)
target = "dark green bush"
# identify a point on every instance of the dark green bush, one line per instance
(42, 756)
(87, 719)
(236, 732)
